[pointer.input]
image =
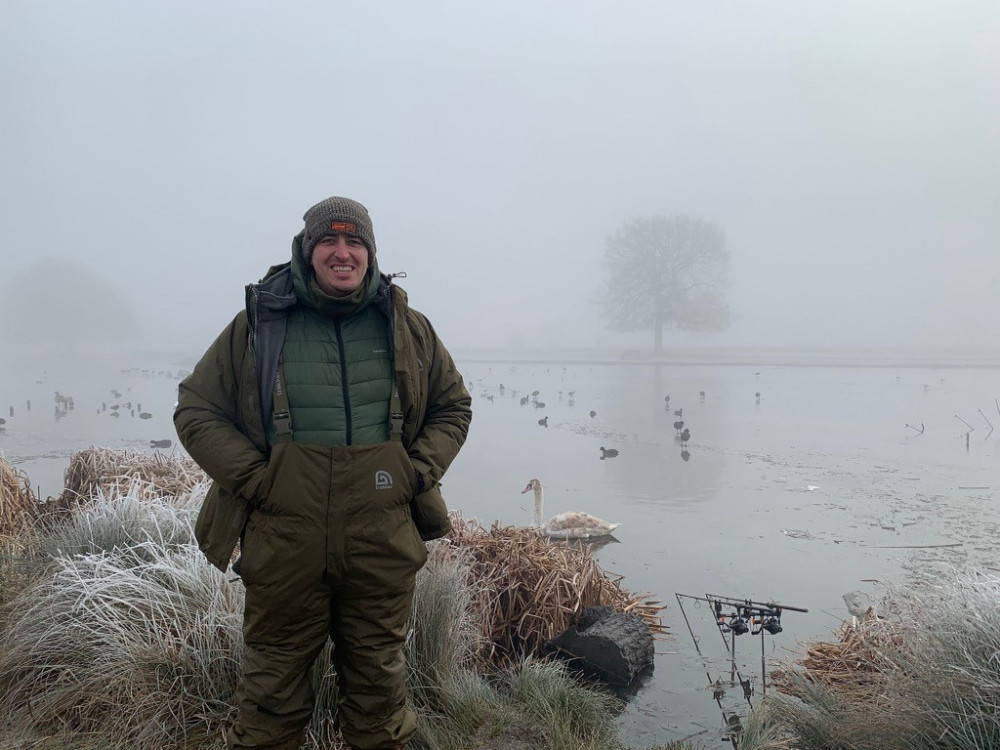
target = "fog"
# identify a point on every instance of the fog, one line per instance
(849, 150)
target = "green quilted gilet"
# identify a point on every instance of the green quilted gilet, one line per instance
(338, 374)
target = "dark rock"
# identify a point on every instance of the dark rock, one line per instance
(612, 646)
(592, 616)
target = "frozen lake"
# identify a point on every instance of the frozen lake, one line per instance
(814, 489)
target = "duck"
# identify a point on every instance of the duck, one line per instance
(572, 525)
(608, 453)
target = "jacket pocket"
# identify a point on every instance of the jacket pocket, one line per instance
(430, 514)
(267, 500)
(219, 523)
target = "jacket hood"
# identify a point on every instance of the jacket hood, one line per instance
(271, 296)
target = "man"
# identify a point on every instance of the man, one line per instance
(326, 413)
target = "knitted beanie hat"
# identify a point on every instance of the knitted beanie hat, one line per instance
(337, 216)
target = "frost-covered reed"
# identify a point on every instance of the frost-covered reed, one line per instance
(128, 638)
(926, 677)
(123, 524)
(141, 643)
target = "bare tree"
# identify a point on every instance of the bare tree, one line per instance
(666, 271)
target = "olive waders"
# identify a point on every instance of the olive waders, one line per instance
(332, 552)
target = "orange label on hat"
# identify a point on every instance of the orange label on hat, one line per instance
(344, 226)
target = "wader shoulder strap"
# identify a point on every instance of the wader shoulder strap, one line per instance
(395, 414)
(282, 413)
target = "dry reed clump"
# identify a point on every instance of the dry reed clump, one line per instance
(19, 508)
(113, 471)
(927, 679)
(531, 588)
(855, 667)
(19, 513)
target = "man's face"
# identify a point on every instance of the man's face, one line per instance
(340, 262)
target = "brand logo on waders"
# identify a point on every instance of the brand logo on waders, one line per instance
(383, 480)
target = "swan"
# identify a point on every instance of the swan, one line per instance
(571, 525)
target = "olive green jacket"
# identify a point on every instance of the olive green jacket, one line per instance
(221, 410)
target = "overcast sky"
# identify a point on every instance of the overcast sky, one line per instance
(849, 150)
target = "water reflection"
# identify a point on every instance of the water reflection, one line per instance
(595, 543)
(652, 475)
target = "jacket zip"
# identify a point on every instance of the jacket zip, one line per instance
(253, 319)
(253, 315)
(343, 380)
